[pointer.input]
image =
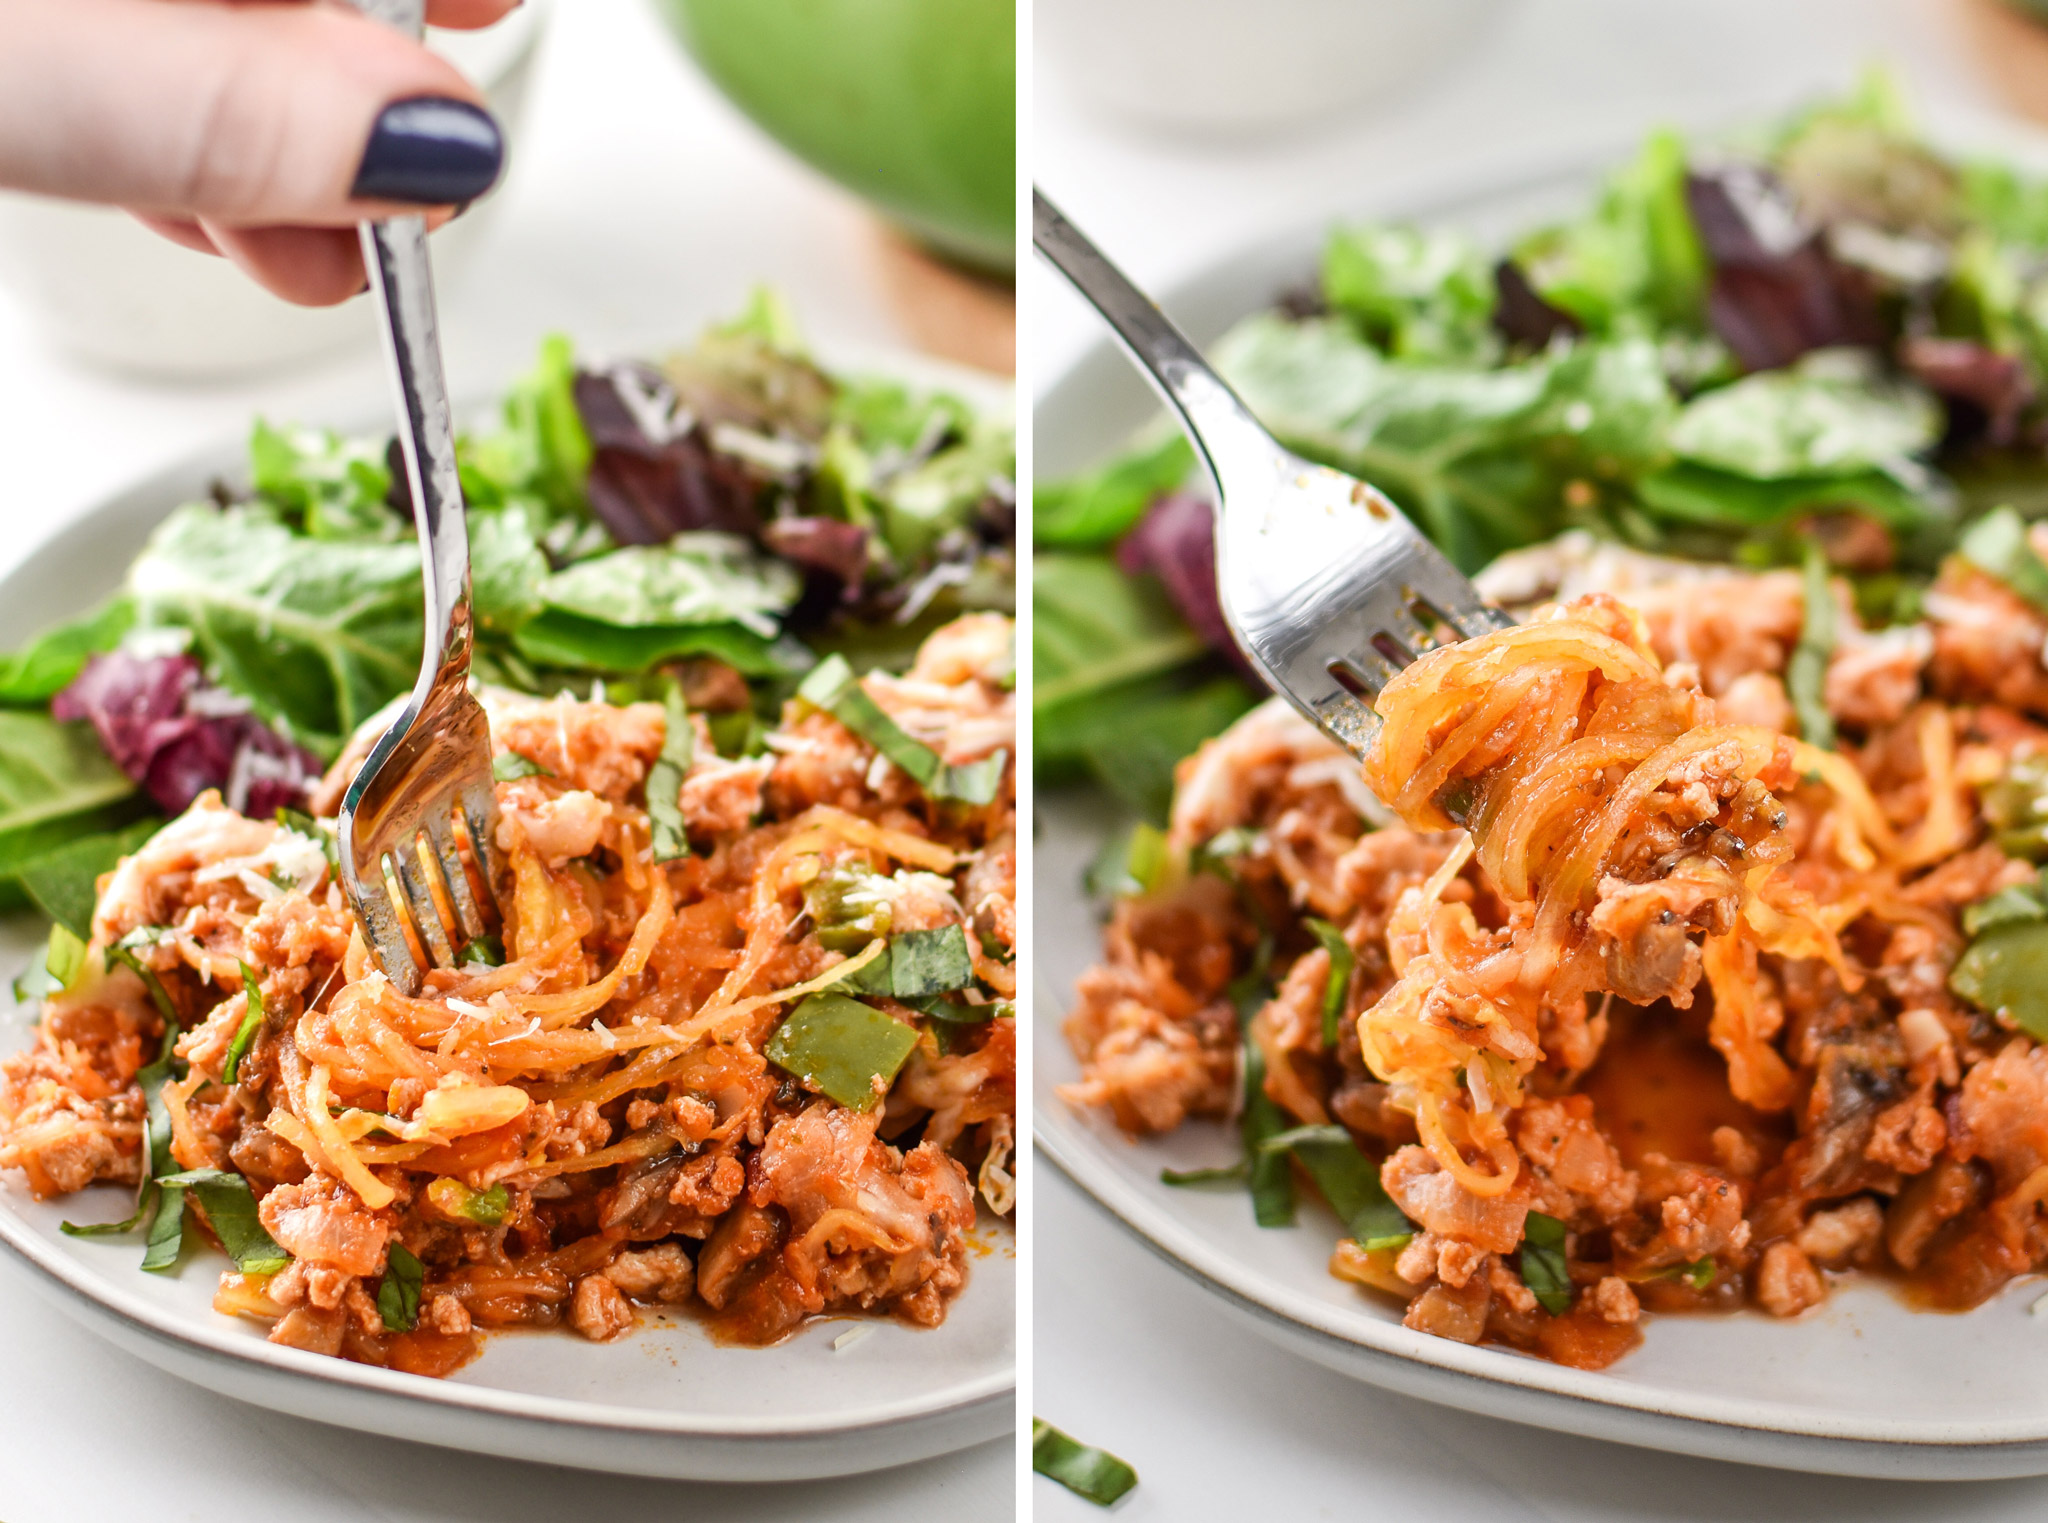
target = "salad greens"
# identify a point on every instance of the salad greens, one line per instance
(1736, 349)
(736, 503)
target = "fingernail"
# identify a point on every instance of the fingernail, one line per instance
(431, 151)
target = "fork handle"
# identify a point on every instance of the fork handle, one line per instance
(402, 281)
(395, 253)
(1233, 444)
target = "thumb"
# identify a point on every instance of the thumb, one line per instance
(241, 115)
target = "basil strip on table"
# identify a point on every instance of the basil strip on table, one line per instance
(1095, 1474)
(665, 779)
(1542, 1263)
(833, 687)
(840, 1046)
(1342, 961)
(229, 1206)
(398, 1293)
(918, 965)
(252, 1022)
(1806, 674)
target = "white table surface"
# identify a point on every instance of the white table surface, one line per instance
(639, 207)
(1126, 1352)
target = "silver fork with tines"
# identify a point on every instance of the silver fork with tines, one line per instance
(1328, 589)
(433, 766)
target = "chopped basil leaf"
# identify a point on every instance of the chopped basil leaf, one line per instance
(510, 766)
(1342, 961)
(1129, 865)
(1272, 1184)
(1699, 1274)
(229, 1206)
(1806, 674)
(833, 687)
(665, 779)
(1233, 1173)
(840, 1046)
(1997, 544)
(1214, 855)
(166, 1240)
(1542, 1263)
(302, 822)
(917, 965)
(66, 958)
(124, 952)
(486, 1208)
(488, 950)
(1348, 1180)
(398, 1293)
(36, 981)
(1095, 1474)
(252, 1022)
(955, 1012)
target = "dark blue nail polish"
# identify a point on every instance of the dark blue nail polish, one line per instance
(430, 151)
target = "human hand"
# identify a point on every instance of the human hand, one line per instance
(262, 130)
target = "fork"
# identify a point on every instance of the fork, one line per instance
(1328, 589)
(434, 763)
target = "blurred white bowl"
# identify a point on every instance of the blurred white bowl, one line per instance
(96, 283)
(1249, 66)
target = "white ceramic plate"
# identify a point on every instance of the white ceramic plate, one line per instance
(664, 1401)
(1862, 1386)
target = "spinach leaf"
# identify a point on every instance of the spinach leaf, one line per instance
(542, 447)
(557, 638)
(1829, 415)
(696, 578)
(507, 566)
(1424, 294)
(1699, 494)
(1635, 262)
(47, 664)
(56, 785)
(1482, 459)
(317, 635)
(334, 488)
(398, 1292)
(1094, 510)
(64, 882)
(665, 780)
(1095, 1475)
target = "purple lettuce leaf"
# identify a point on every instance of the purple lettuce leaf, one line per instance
(1176, 542)
(168, 729)
(1986, 391)
(1776, 292)
(653, 472)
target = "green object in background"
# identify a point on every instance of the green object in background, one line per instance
(910, 104)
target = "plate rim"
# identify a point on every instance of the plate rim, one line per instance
(153, 493)
(1556, 1393)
